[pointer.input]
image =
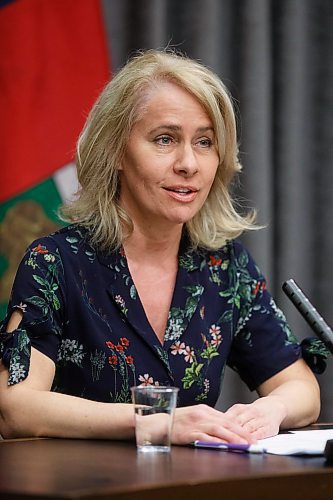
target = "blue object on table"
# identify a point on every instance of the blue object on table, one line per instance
(235, 447)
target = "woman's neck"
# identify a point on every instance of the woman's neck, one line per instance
(141, 245)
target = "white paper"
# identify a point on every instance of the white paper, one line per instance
(311, 442)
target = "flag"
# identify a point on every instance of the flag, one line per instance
(53, 64)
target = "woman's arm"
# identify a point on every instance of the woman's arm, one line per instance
(291, 398)
(29, 408)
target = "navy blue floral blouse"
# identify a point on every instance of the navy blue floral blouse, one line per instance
(81, 309)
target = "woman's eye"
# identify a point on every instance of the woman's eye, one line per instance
(164, 140)
(205, 143)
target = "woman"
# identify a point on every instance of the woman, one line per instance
(149, 283)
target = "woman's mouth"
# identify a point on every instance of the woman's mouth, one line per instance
(185, 194)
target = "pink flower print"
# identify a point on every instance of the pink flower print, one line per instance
(206, 385)
(216, 335)
(119, 300)
(146, 379)
(189, 354)
(215, 330)
(177, 348)
(216, 340)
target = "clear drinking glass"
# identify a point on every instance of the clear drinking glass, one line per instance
(154, 408)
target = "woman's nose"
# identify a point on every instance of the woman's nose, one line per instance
(186, 162)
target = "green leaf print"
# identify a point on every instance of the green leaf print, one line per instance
(39, 302)
(245, 291)
(226, 293)
(243, 259)
(190, 306)
(56, 302)
(226, 317)
(192, 374)
(163, 355)
(209, 353)
(176, 313)
(186, 261)
(40, 280)
(71, 239)
(133, 292)
(23, 342)
(194, 290)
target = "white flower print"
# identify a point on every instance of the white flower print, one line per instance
(49, 258)
(70, 350)
(119, 300)
(178, 348)
(17, 373)
(21, 306)
(122, 304)
(69, 345)
(206, 385)
(189, 354)
(279, 314)
(174, 330)
(215, 330)
(78, 356)
(146, 379)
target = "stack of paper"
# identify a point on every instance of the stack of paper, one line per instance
(311, 442)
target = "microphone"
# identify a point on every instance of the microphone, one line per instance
(309, 313)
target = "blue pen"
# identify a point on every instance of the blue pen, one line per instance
(247, 448)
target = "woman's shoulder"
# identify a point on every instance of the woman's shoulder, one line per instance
(233, 253)
(231, 249)
(71, 235)
(68, 242)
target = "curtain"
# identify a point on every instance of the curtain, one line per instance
(276, 57)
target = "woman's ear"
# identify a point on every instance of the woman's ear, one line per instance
(120, 166)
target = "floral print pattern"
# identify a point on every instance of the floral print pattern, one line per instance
(81, 308)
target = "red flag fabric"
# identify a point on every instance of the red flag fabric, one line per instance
(53, 64)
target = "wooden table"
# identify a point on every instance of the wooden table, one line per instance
(88, 469)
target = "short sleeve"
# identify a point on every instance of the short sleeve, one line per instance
(263, 342)
(38, 292)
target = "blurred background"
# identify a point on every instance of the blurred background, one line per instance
(276, 58)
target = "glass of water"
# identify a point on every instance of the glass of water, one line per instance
(154, 408)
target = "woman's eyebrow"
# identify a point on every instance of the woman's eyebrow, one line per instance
(176, 128)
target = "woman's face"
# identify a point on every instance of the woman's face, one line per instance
(170, 160)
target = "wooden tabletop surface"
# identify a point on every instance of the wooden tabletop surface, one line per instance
(64, 468)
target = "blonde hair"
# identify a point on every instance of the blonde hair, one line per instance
(102, 143)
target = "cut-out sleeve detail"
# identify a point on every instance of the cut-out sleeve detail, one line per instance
(38, 293)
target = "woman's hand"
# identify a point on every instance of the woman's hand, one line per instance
(204, 423)
(288, 399)
(262, 418)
